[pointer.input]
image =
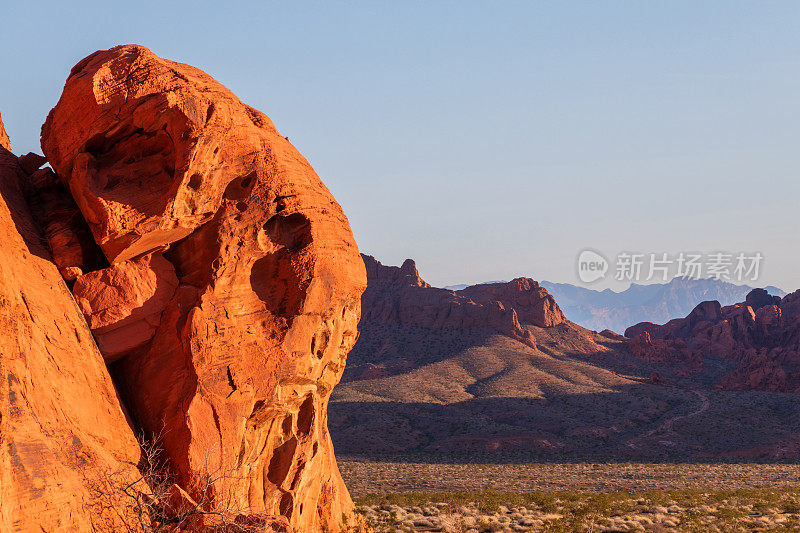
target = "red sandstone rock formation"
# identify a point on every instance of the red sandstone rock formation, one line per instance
(398, 294)
(762, 334)
(653, 351)
(62, 429)
(533, 304)
(5, 142)
(235, 373)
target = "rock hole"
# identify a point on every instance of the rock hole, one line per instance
(274, 278)
(323, 344)
(257, 407)
(276, 282)
(292, 231)
(238, 189)
(287, 505)
(128, 158)
(195, 181)
(281, 461)
(231, 383)
(305, 416)
(280, 202)
(287, 425)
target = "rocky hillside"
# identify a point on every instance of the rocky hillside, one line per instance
(179, 248)
(431, 374)
(760, 335)
(399, 295)
(657, 302)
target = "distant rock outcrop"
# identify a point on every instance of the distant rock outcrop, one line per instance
(532, 303)
(423, 379)
(762, 334)
(398, 294)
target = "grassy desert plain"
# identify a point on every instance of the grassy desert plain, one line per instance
(415, 496)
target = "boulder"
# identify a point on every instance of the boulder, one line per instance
(124, 302)
(236, 379)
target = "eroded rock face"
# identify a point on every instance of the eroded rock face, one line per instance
(762, 334)
(236, 379)
(67, 235)
(62, 429)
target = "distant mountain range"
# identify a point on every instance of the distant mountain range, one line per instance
(657, 302)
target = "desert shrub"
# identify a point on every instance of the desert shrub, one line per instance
(145, 499)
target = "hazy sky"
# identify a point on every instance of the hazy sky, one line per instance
(488, 140)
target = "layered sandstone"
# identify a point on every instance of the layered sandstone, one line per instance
(761, 334)
(231, 362)
(62, 428)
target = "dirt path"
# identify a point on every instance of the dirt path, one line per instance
(667, 425)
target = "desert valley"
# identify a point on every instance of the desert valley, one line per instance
(498, 369)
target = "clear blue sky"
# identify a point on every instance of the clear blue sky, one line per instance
(488, 140)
